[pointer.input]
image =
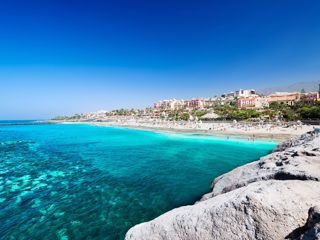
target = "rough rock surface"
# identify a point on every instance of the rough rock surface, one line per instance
(311, 230)
(307, 137)
(301, 162)
(266, 199)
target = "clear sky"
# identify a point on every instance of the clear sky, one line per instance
(64, 57)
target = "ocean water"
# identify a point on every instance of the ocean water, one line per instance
(60, 181)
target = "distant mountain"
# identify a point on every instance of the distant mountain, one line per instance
(312, 86)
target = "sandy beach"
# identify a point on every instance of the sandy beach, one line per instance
(250, 131)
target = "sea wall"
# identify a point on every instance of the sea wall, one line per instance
(276, 197)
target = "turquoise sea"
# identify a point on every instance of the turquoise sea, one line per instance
(60, 181)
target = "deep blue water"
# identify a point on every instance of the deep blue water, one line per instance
(89, 182)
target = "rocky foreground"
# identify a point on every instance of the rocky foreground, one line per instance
(277, 197)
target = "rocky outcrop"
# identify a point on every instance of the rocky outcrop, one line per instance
(301, 162)
(311, 230)
(300, 140)
(266, 199)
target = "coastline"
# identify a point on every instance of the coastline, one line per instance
(274, 192)
(200, 132)
(227, 131)
(276, 197)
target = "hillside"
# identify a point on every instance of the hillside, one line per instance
(310, 86)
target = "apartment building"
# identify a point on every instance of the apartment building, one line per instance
(254, 102)
(289, 98)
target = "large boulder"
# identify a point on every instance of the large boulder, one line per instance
(263, 210)
(301, 162)
(266, 199)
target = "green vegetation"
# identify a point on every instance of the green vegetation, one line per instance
(199, 113)
(121, 112)
(310, 112)
(66, 118)
(300, 111)
(284, 111)
(184, 115)
(178, 115)
(231, 112)
(124, 112)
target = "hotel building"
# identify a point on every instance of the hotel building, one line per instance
(285, 97)
(171, 104)
(195, 103)
(254, 102)
(245, 93)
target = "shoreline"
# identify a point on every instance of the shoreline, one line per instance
(276, 196)
(247, 188)
(199, 132)
(275, 135)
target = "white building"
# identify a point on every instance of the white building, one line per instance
(245, 93)
(171, 104)
(253, 102)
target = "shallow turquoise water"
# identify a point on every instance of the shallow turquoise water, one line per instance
(89, 182)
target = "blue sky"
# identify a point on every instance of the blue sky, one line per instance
(64, 57)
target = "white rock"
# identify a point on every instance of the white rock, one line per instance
(263, 210)
(266, 199)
